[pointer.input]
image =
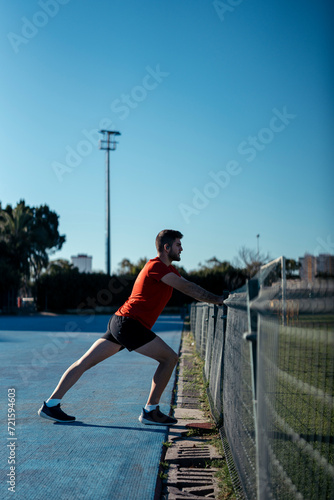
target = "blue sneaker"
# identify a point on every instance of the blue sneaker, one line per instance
(155, 417)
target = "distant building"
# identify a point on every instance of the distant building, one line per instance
(82, 262)
(312, 267)
(325, 264)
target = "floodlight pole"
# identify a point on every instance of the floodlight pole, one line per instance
(108, 143)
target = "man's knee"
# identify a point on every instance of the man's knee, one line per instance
(169, 359)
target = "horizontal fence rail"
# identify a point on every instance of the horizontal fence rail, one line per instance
(269, 362)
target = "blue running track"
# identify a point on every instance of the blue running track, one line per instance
(107, 454)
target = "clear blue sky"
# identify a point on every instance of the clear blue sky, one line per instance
(226, 116)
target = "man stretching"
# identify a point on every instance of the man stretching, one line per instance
(130, 328)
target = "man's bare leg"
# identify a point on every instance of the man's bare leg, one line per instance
(100, 350)
(167, 358)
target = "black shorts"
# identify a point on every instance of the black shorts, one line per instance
(128, 333)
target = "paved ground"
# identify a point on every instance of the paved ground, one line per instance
(106, 454)
(190, 473)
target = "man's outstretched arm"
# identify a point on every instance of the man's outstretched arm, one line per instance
(191, 289)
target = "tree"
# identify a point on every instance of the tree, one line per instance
(59, 265)
(292, 269)
(127, 268)
(15, 227)
(45, 237)
(29, 234)
(250, 260)
(212, 266)
(10, 278)
(217, 276)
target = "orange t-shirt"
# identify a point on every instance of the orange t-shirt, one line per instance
(149, 294)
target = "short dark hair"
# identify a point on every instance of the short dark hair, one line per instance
(166, 236)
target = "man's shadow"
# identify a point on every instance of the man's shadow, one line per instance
(78, 423)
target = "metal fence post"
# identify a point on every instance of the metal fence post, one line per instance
(283, 272)
(251, 336)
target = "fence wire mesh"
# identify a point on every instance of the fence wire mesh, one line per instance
(295, 411)
(270, 367)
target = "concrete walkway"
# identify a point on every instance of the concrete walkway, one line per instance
(190, 473)
(107, 454)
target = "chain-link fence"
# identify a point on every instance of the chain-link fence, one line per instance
(269, 361)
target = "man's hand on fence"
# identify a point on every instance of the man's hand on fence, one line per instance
(220, 300)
